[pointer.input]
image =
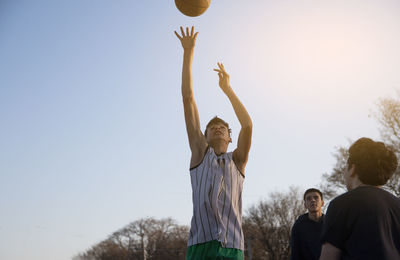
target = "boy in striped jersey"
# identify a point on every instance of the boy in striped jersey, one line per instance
(216, 176)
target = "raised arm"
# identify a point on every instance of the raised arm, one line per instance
(241, 154)
(197, 140)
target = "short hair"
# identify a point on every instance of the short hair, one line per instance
(217, 120)
(374, 162)
(313, 190)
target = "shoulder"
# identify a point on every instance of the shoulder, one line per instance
(340, 207)
(351, 204)
(301, 219)
(347, 197)
(388, 195)
(363, 195)
(380, 199)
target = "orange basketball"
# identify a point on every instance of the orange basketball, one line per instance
(192, 7)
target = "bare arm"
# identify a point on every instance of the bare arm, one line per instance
(197, 140)
(330, 252)
(241, 154)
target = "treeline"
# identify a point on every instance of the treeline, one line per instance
(266, 225)
(142, 239)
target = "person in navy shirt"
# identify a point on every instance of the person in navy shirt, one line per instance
(305, 239)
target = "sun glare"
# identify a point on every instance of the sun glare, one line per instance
(321, 56)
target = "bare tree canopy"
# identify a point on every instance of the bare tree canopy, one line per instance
(267, 225)
(333, 183)
(148, 238)
(388, 116)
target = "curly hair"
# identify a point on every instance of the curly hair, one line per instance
(374, 162)
(217, 120)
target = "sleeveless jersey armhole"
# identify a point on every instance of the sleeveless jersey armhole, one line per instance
(241, 173)
(194, 167)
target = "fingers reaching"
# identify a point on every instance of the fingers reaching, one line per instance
(221, 69)
(223, 77)
(221, 66)
(177, 35)
(184, 34)
(187, 37)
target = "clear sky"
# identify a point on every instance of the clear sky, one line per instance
(92, 133)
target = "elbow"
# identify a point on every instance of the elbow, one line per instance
(248, 126)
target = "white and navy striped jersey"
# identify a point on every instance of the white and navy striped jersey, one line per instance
(217, 186)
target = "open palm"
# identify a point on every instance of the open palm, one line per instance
(188, 40)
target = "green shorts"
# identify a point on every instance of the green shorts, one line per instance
(213, 251)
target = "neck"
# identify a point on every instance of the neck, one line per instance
(362, 184)
(219, 147)
(315, 216)
(354, 183)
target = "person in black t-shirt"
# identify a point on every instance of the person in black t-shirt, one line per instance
(305, 243)
(364, 223)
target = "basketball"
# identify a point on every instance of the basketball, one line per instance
(192, 7)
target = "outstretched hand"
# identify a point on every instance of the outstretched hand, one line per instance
(188, 40)
(223, 77)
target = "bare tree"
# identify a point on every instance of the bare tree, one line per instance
(333, 183)
(267, 225)
(388, 116)
(144, 239)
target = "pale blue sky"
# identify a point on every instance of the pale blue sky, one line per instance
(92, 128)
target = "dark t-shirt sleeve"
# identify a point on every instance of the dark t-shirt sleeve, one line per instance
(335, 228)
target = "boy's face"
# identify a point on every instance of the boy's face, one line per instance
(313, 202)
(218, 131)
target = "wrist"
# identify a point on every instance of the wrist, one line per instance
(227, 89)
(188, 50)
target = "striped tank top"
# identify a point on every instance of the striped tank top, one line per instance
(217, 186)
